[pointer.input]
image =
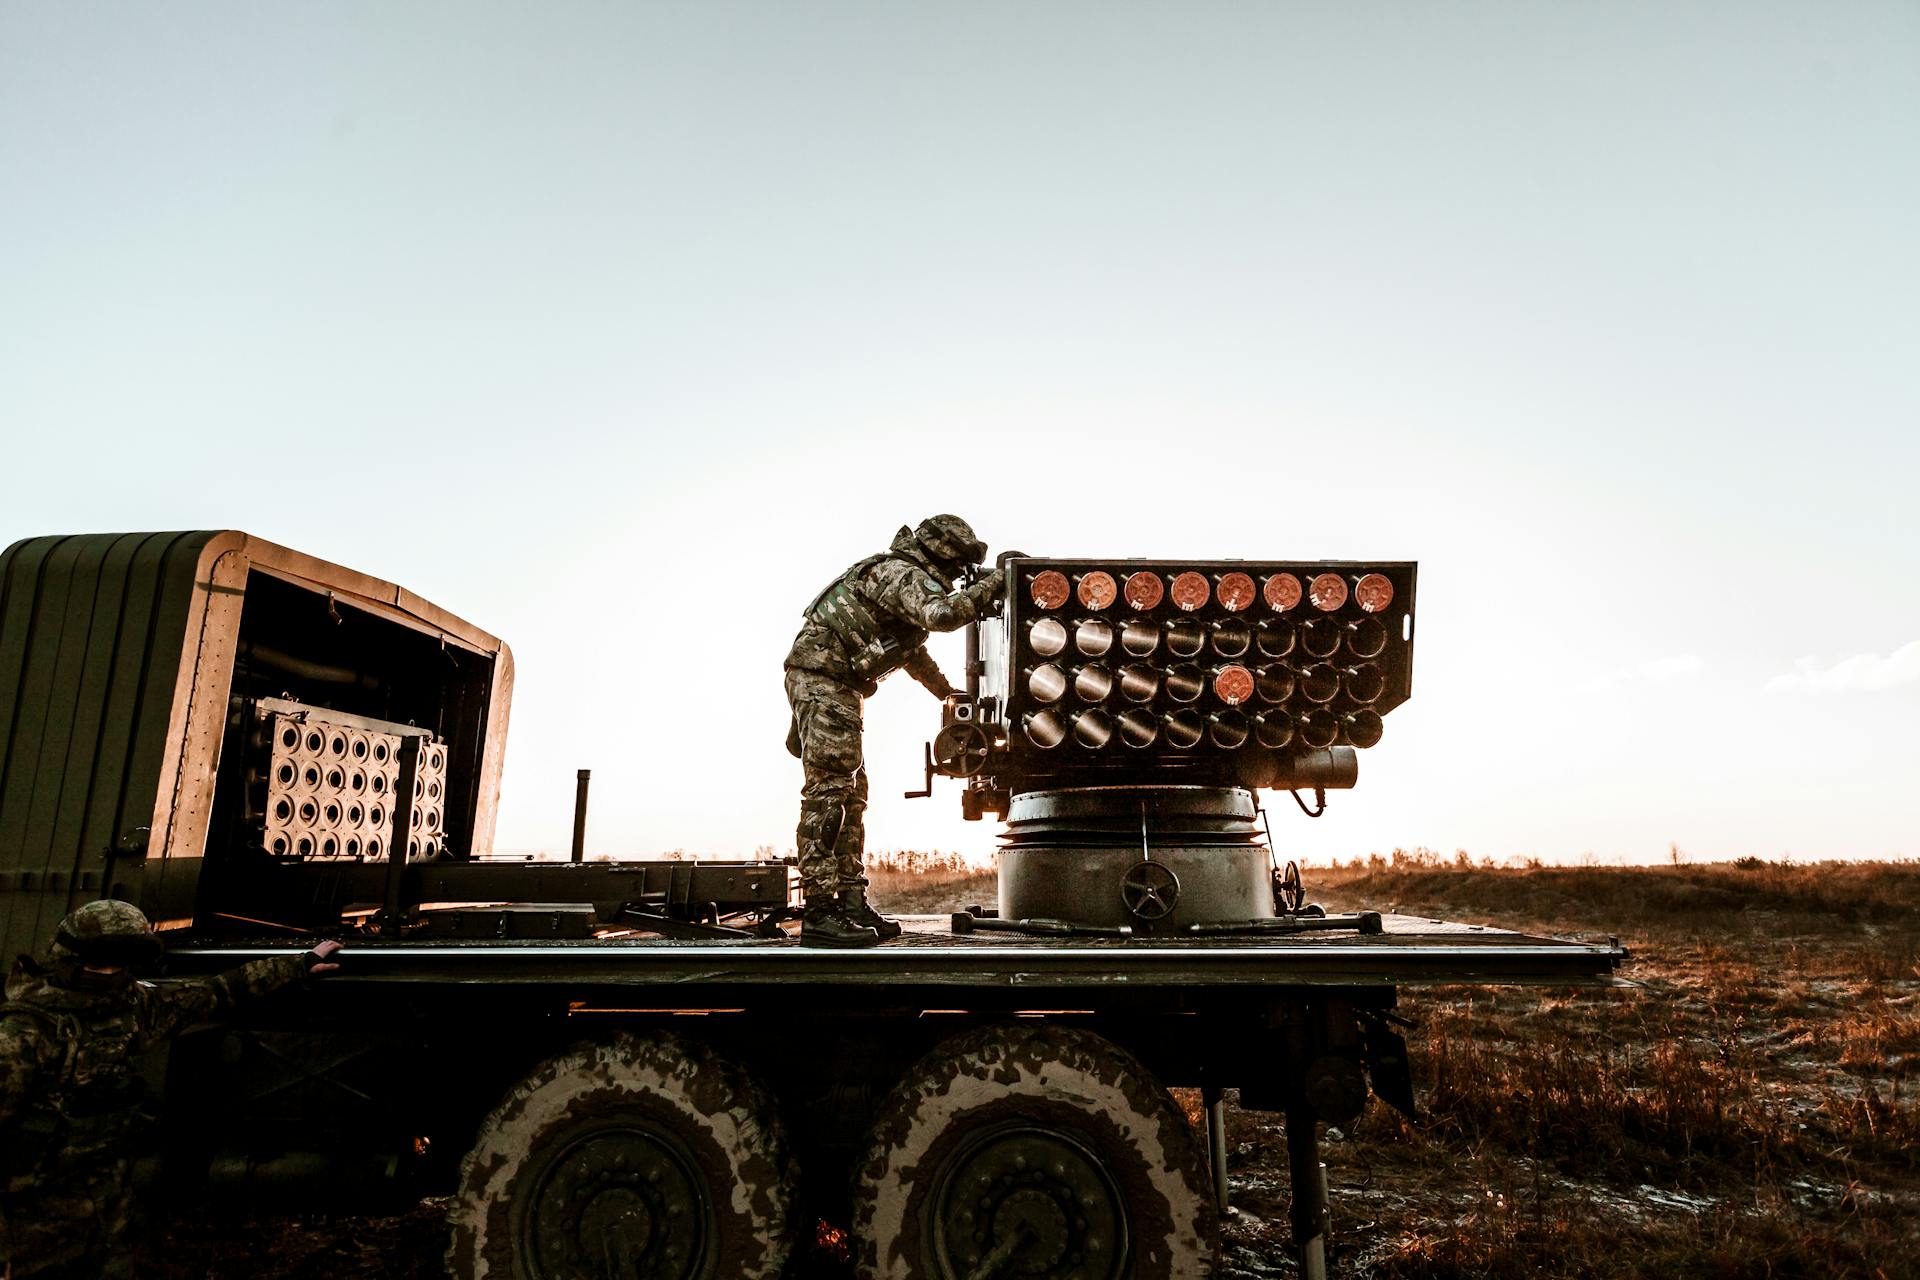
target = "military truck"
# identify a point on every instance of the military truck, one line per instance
(628, 1068)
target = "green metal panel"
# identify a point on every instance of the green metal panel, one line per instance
(92, 629)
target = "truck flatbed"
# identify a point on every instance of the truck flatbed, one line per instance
(1410, 951)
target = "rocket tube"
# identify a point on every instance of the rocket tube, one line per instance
(1092, 682)
(1227, 729)
(1093, 729)
(1139, 638)
(1185, 637)
(1282, 592)
(1233, 684)
(1321, 638)
(1097, 590)
(1049, 589)
(1235, 591)
(1184, 729)
(1144, 590)
(1046, 682)
(1364, 683)
(1366, 638)
(1231, 637)
(1364, 728)
(1185, 682)
(1274, 728)
(1274, 682)
(1047, 637)
(1139, 682)
(1320, 684)
(1139, 727)
(1093, 637)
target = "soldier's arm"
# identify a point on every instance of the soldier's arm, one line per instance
(22, 1049)
(924, 601)
(172, 1009)
(921, 666)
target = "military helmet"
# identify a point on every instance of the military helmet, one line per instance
(107, 932)
(949, 538)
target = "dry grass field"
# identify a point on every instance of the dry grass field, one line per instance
(1750, 1109)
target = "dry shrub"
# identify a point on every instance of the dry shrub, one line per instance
(910, 881)
(1882, 1031)
(1664, 1108)
(1689, 899)
(1875, 1122)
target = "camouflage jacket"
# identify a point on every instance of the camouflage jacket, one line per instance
(69, 1084)
(903, 598)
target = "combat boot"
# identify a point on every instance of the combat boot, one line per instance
(854, 903)
(826, 924)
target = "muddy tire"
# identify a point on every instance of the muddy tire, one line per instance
(1032, 1151)
(643, 1155)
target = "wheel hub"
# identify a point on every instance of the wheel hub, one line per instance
(1022, 1200)
(619, 1202)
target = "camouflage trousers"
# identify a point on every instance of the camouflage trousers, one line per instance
(70, 1222)
(832, 834)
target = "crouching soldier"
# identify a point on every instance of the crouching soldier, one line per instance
(870, 621)
(71, 1032)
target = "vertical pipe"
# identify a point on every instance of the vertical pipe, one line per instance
(973, 661)
(1216, 1102)
(393, 913)
(580, 781)
(1307, 1179)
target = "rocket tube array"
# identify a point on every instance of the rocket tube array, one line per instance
(1117, 660)
(329, 791)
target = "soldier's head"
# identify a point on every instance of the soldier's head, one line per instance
(950, 543)
(97, 946)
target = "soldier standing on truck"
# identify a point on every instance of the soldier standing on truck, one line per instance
(870, 621)
(70, 1094)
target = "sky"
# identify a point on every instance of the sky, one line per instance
(620, 330)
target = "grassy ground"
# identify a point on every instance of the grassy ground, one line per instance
(1751, 1109)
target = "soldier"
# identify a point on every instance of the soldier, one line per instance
(70, 1098)
(870, 621)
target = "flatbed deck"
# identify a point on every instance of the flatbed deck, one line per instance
(1410, 951)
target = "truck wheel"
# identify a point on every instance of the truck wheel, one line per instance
(1032, 1151)
(640, 1156)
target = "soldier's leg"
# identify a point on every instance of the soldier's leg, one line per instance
(828, 718)
(849, 853)
(115, 1199)
(57, 1227)
(849, 849)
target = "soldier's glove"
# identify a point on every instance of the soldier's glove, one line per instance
(320, 960)
(985, 594)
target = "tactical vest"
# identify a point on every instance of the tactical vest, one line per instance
(874, 647)
(90, 1102)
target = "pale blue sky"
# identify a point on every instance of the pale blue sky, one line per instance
(1606, 313)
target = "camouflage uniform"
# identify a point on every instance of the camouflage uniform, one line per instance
(70, 1100)
(886, 605)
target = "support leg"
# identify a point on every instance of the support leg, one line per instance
(1308, 1179)
(1215, 1099)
